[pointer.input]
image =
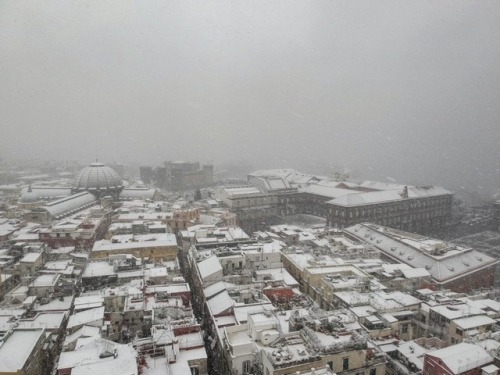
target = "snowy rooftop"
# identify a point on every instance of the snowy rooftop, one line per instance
(84, 317)
(48, 320)
(379, 300)
(137, 193)
(31, 257)
(474, 322)
(224, 321)
(357, 198)
(413, 352)
(462, 357)
(456, 311)
(55, 305)
(415, 273)
(134, 242)
(277, 274)
(241, 311)
(95, 269)
(444, 261)
(56, 265)
(326, 191)
(18, 347)
(87, 359)
(214, 289)
(146, 216)
(271, 183)
(209, 266)
(85, 331)
(89, 300)
(45, 280)
(242, 191)
(220, 303)
(170, 288)
(70, 205)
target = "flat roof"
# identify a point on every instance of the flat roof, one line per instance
(18, 347)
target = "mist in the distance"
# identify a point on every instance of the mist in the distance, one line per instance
(402, 90)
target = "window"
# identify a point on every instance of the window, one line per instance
(330, 364)
(458, 331)
(247, 365)
(195, 370)
(373, 371)
(404, 328)
(345, 363)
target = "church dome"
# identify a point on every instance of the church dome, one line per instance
(98, 179)
(29, 197)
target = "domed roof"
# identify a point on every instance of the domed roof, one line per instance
(29, 197)
(98, 177)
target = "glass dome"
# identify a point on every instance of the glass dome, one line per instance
(98, 179)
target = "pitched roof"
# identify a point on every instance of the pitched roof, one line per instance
(220, 303)
(462, 357)
(209, 266)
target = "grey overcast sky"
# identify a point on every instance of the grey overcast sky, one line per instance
(404, 89)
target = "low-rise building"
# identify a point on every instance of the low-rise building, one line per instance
(457, 359)
(98, 356)
(21, 352)
(150, 246)
(451, 266)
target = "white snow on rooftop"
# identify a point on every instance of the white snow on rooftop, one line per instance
(462, 357)
(85, 317)
(444, 261)
(95, 269)
(135, 242)
(18, 347)
(86, 360)
(220, 303)
(209, 266)
(242, 191)
(31, 257)
(45, 280)
(474, 321)
(415, 273)
(277, 274)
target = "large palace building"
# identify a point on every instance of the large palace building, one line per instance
(345, 202)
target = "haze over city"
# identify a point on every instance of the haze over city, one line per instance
(400, 90)
(265, 187)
